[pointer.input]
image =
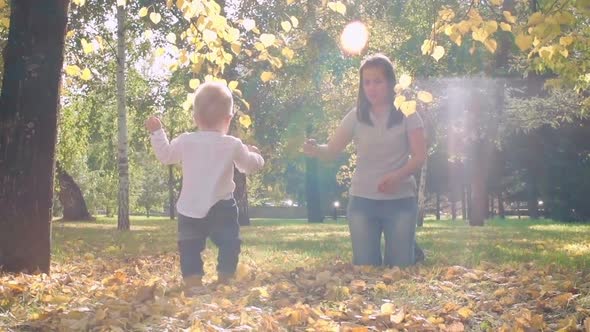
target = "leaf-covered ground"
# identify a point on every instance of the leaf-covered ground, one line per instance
(293, 276)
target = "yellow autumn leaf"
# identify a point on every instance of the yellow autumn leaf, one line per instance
(155, 17)
(209, 36)
(427, 46)
(446, 14)
(338, 7)
(547, 52)
(564, 52)
(524, 42)
(194, 83)
(566, 40)
(148, 34)
(480, 35)
(405, 80)
(236, 48)
(266, 76)
(341, 8)
(73, 70)
(491, 27)
(267, 39)
(288, 53)
(160, 51)
(171, 37)
(143, 12)
(387, 308)
(290, 2)
(497, 2)
(399, 100)
(286, 25)
(398, 318)
(294, 22)
(465, 312)
(408, 107)
(505, 26)
(245, 121)
(121, 3)
(425, 96)
(86, 46)
(438, 53)
(249, 24)
(86, 74)
(491, 45)
(536, 19)
(508, 17)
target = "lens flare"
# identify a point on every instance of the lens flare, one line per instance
(354, 38)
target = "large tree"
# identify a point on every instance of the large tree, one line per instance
(28, 120)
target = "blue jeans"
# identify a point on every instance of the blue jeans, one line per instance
(221, 225)
(395, 219)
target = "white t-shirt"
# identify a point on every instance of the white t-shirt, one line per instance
(380, 150)
(208, 160)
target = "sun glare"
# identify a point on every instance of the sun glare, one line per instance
(354, 38)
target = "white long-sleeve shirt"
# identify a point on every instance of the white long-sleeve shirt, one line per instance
(208, 160)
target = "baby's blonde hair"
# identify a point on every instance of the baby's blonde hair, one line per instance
(213, 102)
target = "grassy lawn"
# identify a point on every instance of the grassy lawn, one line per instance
(527, 275)
(286, 244)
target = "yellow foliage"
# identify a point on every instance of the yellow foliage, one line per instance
(266, 76)
(509, 17)
(427, 46)
(399, 101)
(245, 121)
(155, 17)
(536, 18)
(86, 74)
(491, 45)
(73, 70)
(405, 80)
(505, 26)
(338, 7)
(267, 39)
(425, 96)
(408, 107)
(524, 42)
(286, 25)
(438, 52)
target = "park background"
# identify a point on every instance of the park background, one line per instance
(502, 87)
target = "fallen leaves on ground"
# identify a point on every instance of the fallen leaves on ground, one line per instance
(144, 294)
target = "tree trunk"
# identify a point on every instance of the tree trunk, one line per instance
(468, 201)
(437, 206)
(241, 196)
(501, 211)
(123, 144)
(28, 123)
(463, 203)
(479, 203)
(71, 198)
(453, 205)
(422, 193)
(171, 197)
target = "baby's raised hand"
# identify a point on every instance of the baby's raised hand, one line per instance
(153, 123)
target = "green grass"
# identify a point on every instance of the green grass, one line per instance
(286, 244)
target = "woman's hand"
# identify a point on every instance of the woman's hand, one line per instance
(253, 148)
(310, 147)
(153, 123)
(390, 183)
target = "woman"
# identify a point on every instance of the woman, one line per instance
(390, 148)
